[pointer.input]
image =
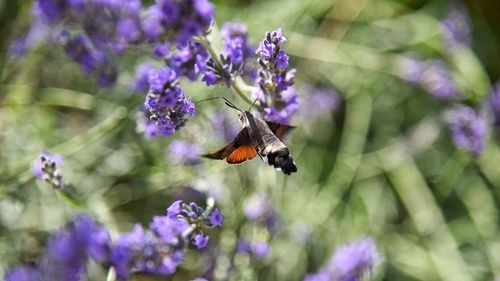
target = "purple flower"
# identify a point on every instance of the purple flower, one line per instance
(216, 218)
(320, 276)
(47, 168)
(200, 241)
(436, 80)
(141, 83)
(260, 209)
(183, 153)
(69, 250)
(161, 50)
(100, 28)
(239, 50)
(261, 249)
(494, 103)
(277, 99)
(24, 273)
(257, 249)
(166, 103)
(351, 261)
(225, 126)
(468, 128)
(93, 61)
(189, 60)
(237, 58)
(174, 209)
(410, 69)
(168, 228)
(316, 102)
(456, 27)
(157, 250)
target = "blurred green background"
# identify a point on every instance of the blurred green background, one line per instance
(381, 164)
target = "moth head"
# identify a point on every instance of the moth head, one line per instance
(242, 117)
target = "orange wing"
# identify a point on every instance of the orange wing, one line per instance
(241, 154)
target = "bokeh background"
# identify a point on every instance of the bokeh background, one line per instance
(374, 156)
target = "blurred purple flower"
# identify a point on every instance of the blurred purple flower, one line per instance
(24, 273)
(161, 50)
(69, 250)
(101, 27)
(436, 80)
(456, 27)
(350, 262)
(410, 68)
(260, 209)
(275, 94)
(183, 153)
(320, 276)
(226, 127)
(468, 129)
(353, 260)
(494, 103)
(141, 83)
(257, 249)
(317, 102)
(434, 76)
(189, 60)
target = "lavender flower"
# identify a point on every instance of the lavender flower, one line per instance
(434, 76)
(141, 83)
(276, 95)
(166, 101)
(24, 273)
(189, 60)
(47, 168)
(436, 79)
(157, 250)
(225, 126)
(236, 60)
(93, 61)
(260, 209)
(103, 27)
(350, 262)
(145, 251)
(468, 128)
(456, 27)
(185, 19)
(69, 250)
(67, 253)
(494, 103)
(183, 153)
(317, 102)
(257, 249)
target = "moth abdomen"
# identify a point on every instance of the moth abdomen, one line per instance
(282, 160)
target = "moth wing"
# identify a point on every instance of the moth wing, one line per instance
(280, 130)
(241, 154)
(242, 139)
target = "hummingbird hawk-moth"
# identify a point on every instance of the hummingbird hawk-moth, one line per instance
(258, 137)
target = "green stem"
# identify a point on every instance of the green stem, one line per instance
(236, 87)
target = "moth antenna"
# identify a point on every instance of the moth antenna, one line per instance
(230, 104)
(253, 103)
(207, 99)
